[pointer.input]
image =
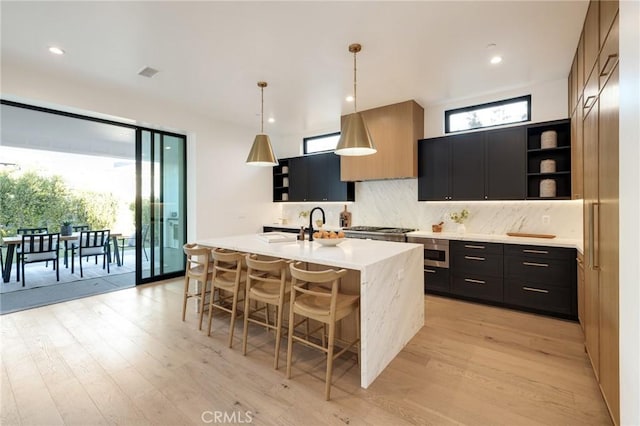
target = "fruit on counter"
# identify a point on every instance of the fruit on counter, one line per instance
(328, 234)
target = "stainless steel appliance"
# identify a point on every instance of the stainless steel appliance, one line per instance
(436, 252)
(377, 233)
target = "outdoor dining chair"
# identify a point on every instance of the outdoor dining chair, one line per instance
(30, 231)
(92, 243)
(75, 228)
(38, 248)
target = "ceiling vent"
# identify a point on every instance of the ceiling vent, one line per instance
(148, 72)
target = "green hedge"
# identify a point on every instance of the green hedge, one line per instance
(29, 200)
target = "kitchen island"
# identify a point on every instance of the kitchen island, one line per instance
(391, 288)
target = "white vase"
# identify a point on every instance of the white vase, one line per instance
(461, 228)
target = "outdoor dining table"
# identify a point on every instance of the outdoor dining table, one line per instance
(13, 242)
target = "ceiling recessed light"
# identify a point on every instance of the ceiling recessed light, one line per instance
(349, 98)
(56, 50)
(271, 120)
(496, 60)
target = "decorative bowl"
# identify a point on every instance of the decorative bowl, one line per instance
(329, 241)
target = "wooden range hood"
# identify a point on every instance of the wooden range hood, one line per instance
(395, 130)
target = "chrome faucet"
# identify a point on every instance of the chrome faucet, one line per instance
(311, 221)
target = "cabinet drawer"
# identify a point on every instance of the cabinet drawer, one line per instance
(478, 287)
(540, 252)
(436, 279)
(538, 296)
(477, 263)
(553, 271)
(475, 247)
(609, 53)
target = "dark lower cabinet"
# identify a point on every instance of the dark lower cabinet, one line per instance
(477, 287)
(541, 278)
(541, 297)
(476, 270)
(436, 280)
(533, 278)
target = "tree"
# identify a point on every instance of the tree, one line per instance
(29, 200)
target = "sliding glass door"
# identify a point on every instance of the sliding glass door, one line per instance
(160, 205)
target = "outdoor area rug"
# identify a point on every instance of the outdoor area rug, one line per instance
(55, 293)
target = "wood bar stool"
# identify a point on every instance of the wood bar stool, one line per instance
(228, 278)
(267, 283)
(199, 268)
(316, 295)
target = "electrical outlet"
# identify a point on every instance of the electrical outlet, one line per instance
(546, 219)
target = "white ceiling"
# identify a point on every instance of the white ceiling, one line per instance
(211, 54)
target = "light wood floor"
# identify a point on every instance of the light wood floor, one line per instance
(126, 358)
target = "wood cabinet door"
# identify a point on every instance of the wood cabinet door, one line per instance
(434, 169)
(581, 299)
(608, 10)
(467, 166)
(576, 155)
(608, 247)
(591, 37)
(506, 164)
(591, 273)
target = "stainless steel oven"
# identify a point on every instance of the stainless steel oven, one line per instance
(436, 252)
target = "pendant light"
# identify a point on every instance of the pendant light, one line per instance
(261, 153)
(355, 139)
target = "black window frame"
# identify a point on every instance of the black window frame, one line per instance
(449, 112)
(305, 151)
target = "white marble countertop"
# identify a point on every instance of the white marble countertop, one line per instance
(490, 238)
(501, 238)
(350, 254)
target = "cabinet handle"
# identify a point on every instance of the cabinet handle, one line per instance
(473, 247)
(542, 265)
(606, 72)
(535, 251)
(586, 101)
(474, 258)
(472, 281)
(595, 249)
(431, 271)
(537, 290)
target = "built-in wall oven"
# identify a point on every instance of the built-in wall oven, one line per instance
(436, 263)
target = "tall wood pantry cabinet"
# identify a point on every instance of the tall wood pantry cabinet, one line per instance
(594, 110)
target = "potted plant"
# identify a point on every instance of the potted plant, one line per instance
(459, 218)
(65, 229)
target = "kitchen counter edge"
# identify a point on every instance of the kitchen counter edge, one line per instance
(501, 238)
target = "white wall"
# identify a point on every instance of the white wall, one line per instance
(629, 213)
(549, 101)
(225, 196)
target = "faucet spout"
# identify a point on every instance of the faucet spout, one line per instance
(311, 221)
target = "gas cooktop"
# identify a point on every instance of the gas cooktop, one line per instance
(377, 233)
(384, 229)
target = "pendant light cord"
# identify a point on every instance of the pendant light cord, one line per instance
(262, 110)
(355, 106)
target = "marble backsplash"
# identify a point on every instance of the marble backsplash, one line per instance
(394, 203)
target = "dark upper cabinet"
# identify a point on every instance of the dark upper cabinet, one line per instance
(317, 178)
(297, 179)
(467, 166)
(485, 165)
(506, 164)
(433, 169)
